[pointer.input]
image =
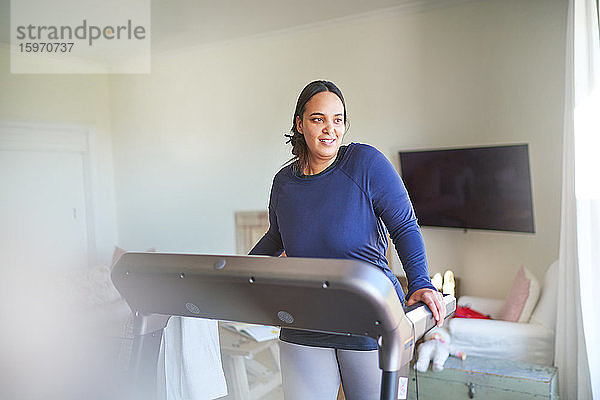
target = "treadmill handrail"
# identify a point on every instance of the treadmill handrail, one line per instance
(333, 295)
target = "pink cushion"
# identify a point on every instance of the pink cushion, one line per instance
(522, 297)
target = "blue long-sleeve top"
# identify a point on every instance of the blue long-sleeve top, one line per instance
(345, 212)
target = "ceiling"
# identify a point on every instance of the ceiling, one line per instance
(200, 22)
(183, 23)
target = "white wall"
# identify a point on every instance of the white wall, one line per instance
(201, 137)
(69, 100)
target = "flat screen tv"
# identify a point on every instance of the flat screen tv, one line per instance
(471, 188)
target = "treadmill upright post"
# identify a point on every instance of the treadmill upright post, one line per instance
(148, 331)
(389, 385)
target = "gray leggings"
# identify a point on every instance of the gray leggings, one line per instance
(314, 373)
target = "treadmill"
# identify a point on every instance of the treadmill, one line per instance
(328, 295)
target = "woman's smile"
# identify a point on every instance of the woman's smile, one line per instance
(327, 142)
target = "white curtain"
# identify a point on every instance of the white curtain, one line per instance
(578, 329)
(587, 171)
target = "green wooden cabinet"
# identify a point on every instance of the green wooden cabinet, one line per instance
(486, 378)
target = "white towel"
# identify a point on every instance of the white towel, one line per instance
(189, 365)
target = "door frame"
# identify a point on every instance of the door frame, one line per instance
(70, 138)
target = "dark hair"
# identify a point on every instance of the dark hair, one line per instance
(299, 146)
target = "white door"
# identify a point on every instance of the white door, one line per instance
(42, 209)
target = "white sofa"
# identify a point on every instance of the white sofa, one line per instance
(528, 342)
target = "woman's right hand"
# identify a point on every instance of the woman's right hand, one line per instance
(433, 299)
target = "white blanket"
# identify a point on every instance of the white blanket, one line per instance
(528, 342)
(190, 361)
(533, 343)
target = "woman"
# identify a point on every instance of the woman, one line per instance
(336, 201)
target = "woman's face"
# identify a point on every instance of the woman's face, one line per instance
(323, 128)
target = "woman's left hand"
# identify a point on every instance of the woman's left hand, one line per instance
(434, 301)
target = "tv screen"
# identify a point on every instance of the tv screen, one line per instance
(471, 188)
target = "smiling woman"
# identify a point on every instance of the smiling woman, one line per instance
(338, 201)
(318, 126)
(322, 126)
